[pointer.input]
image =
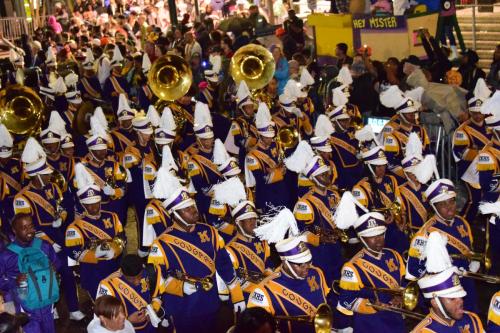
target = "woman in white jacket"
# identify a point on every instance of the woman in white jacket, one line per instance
(109, 316)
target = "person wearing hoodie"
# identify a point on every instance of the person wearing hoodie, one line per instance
(109, 316)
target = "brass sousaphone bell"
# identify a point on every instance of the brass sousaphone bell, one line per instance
(254, 64)
(170, 78)
(21, 110)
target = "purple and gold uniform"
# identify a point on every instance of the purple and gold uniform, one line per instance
(488, 166)
(433, 324)
(494, 314)
(365, 269)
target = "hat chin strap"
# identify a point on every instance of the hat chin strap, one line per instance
(292, 271)
(496, 133)
(371, 169)
(341, 127)
(441, 308)
(439, 215)
(180, 219)
(40, 180)
(379, 253)
(241, 231)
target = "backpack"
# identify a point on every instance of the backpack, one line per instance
(43, 287)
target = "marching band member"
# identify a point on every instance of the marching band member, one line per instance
(468, 140)
(138, 288)
(243, 132)
(289, 114)
(50, 75)
(314, 210)
(296, 288)
(414, 208)
(306, 104)
(123, 135)
(89, 83)
(156, 219)
(488, 164)
(95, 239)
(320, 142)
(188, 252)
(115, 84)
(184, 107)
(494, 314)
(374, 266)
(210, 95)
(141, 163)
(219, 214)
(50, 138)
(201, 170)
(441, 286)
(108, 174)
(396, 136)
(103, 65)
(378, 191)
(264, 171)
(73, 98)
(344, 78)
(44, 200)
(441, 197)
(249, 255)
(345, 148)
(11, 172)
(145, 96)
(68, 146)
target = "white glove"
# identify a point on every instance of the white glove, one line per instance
(165, 323)
(108, 190)
(474, 266)
(57, 248)
(239, 307)
(57, 223)
(188, 288)
(296, 111)
(110, 254)
(99, 252)
(155, 320)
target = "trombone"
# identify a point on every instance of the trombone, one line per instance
(331, 236)
(482, 257)
(322, 320)
(250, 276)
(409, 295)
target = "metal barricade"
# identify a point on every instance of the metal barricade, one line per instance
(13, 27)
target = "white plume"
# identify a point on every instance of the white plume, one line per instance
(392, 97)
(56, 123)
(231, 192)
(490, 208)
(346, 213)
(305, 78)
(436, 253)
(220, 153)
(71, 79)
(167, 159)
(302, 155)
(202, 115)
(58, 86)
(492, 105)
(153, 116)
(323, 127)
(146, 63)
(165, 184)
(276, 224)
(33, 151)
(426, 169)
(481, 90)
(365, 134)
(263, 117)
(99, 114)
(415, 94)
(413, 146)
(5, 137)
(82, 176)
(344, 75)
(97, 128)
(338, 96)
(167, 120)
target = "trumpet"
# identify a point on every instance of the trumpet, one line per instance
(474, 256)
(394, 208)
(322, 320)
(330, 235)
(58, 179)
(493, 279)
(250, 276)
(409, 295)
(206, 283)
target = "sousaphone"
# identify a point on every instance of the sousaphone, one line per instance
(21, 110)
